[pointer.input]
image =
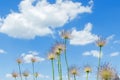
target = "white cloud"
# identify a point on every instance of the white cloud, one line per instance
(2, 51)
(8, 75)
(41, 18)
(31, 54)
(114, 54)
(84, 36)
(93, 53)
(43, 76)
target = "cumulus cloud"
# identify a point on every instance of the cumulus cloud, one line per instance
(84, 36)
(31, 54)
(41, 18)
(93, 53)
(114, 54)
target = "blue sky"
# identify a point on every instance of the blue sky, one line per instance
(31, 26)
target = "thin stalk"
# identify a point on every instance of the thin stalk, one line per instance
(60, 68)
(35, 78)
(65, 41)
(99, 60)
(87, 76)
(15, 78)
(33, 70)
(25, 78)
(52, 61)
(20, 71)
(74, 77)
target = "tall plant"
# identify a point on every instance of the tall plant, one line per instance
(51, 57)
(100, 43)
(19, 61)
(57, 49)
(66, 35)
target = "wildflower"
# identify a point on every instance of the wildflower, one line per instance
(25, 73)
(15, 75)
(106, 72)
(74, 71)
(36, 75)
(51, 56)
(57, 49)
(87, 69)
(65, 34)
(100, 43)
(19, 61)
(33, 60)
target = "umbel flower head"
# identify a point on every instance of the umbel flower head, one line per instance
(100, 42)
(19, 60)
(74, 70)
(106, 72)
(51, 56)
(65, 34)
(87, 69)
(58, 48)
(25, 73)
(15, 74)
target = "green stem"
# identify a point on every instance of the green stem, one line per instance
(35, 78)
(65, 41)
(74, 77)
(87, 76)
(60, 68)
(15, 78)
(25, 78)
(52, 61)
(20, 71)
(33, 70)
(99, 60)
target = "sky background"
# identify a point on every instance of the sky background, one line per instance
(30, 27)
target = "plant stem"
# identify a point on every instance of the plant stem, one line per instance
(99, 60)
(33, 70)
(52, 61)
(20, 71)
(25, 78)
(87, 76)
(60, 68)
(15, 78)
(65, 41)
(74, 77)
